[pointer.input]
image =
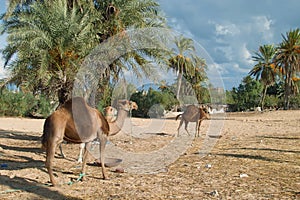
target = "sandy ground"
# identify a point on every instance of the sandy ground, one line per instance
(244, 156)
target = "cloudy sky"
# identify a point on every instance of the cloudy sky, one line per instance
(229, 30)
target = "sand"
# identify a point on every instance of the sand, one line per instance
(242, 156)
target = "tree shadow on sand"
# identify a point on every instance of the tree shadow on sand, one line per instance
(279, 137)
(247, 156)
(267, 149)
(17, 156)
(21, 184)
(17, 135)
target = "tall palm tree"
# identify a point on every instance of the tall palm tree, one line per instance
(46, 43)
(48, 40)
(264, 70)
(186, 63)
(288, 60)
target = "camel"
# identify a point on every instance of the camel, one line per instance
(111, 113)
(76, 122)
(111, 116)
(192, 114)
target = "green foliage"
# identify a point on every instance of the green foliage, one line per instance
(23, 105)
(186, 63)
(287, 60)
(247, 95)
(152, 103)
(47, 41)
(271, 101)
(295, 101)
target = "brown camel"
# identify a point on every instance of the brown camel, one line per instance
(111, 115)
(76, 122)
(192, 114)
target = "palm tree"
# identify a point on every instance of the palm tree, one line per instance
(48, 40)
(264, 70)
(287, 60)
(46, 43)
(186, 63)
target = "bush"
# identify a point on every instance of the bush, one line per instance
(295, 102)
(23, 105)
(152, 103)
(271, 101)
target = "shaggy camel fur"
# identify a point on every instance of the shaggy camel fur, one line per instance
(192, 114)
(76, 122)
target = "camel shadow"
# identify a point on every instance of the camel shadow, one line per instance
(31, 186)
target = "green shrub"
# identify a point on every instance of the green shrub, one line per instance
(23, 105)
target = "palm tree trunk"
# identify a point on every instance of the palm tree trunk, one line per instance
(179, 82)
(262, 103)
(287, 91)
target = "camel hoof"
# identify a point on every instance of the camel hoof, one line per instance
(52, 184)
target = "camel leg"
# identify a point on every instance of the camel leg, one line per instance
(49, 158)
(81, 149)
(185, 126)
(85, 157)
(103, 140)
(61, 151)
(198, 129)
(180, 124)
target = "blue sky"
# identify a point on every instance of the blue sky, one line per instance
(229, 30)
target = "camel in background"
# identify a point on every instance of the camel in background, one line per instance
(76, 122)
(192, 114)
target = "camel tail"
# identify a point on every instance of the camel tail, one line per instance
(178, 116)
(45, 136)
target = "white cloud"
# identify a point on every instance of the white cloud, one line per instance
(263, 26)
(226, 29)
(246, 55)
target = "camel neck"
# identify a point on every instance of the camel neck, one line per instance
(116, 126)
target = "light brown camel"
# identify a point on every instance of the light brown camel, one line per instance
(192, 114)
(76, 122)
(111, 115)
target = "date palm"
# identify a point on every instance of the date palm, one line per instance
(48, 40)
(186, 63)
(264, 70)
(287, 59)
(46, 43)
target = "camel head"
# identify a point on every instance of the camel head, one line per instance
(110, 114)
(133, 105)
(205, 110)
(127, 105)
